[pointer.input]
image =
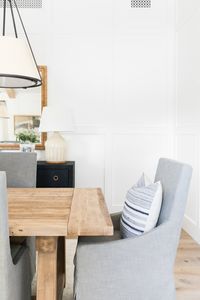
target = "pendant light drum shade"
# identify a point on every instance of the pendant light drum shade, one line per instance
(17, 65)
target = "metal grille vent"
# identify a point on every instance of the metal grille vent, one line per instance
(25, 3)
(141, 3)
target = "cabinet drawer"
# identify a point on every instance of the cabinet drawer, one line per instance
(56, 175)
(53, 178)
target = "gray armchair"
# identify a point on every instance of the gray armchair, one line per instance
(137, 268)
(15, 282)
(20, 170)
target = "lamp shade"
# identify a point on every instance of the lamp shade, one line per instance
(3, 110)
(17, 65)
(56, 120)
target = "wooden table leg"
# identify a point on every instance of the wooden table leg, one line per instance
(50, 268)
(47, 268)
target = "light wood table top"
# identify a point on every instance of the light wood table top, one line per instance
(51, 214)
(58, 212)
(89, 214)
(39, 211)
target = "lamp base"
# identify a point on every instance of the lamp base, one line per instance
(55, 149)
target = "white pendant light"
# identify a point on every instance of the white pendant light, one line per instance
(18, 67)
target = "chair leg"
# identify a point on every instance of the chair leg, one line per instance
(60, 267)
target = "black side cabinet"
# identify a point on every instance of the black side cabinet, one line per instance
(55, 175)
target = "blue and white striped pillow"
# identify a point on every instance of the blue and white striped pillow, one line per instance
(142, 208)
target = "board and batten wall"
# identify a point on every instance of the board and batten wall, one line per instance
(115, 67)
(187, 129)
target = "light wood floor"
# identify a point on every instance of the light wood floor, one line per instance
(187, 269)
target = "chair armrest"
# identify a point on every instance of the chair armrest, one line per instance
(116, 220)
(137, 253)
(142, 266)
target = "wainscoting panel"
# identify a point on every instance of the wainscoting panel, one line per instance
(188, 104)
(133, 154)
(187, 150)
(135, 89)
(114, 159)
(88, 151)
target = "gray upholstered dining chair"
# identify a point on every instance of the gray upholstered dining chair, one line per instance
(136, 268)
(15, 282)
(20, 170)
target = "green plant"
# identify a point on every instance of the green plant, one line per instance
(27, 136)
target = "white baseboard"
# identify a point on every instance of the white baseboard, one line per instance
(192, 229)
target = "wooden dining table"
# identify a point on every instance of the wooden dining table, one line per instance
(51, 215)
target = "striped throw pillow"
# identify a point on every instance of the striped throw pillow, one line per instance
(141, 208)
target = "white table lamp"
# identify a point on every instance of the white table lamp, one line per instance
(56, 120)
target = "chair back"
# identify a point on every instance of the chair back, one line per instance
(175, 178)
(4, 232)
(20, 168)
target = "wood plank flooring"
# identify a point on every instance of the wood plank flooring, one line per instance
(187, 269)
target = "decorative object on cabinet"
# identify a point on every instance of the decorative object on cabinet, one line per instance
(56, 175)
(3, 110)
(55, 120)
(27, 139)
(28, 103)
(27, 135)
(19, 70)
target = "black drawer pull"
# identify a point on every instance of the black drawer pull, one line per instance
(55, 177)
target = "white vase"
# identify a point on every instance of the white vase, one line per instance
(27, 147)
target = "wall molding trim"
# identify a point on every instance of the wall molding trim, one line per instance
(191, 228)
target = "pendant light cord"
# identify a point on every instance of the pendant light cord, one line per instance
(4, 18)
(13, 18)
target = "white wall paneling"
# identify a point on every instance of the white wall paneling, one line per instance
(114, 66)
(188, 104)
(88, 150)
(187, 150)
(132, 154)
(114, 158)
